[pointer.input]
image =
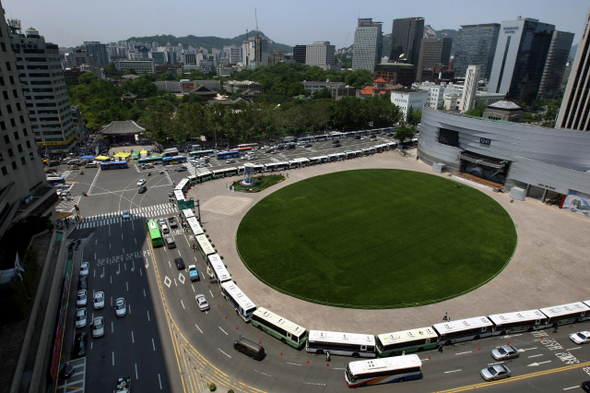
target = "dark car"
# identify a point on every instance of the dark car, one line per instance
(141, 190)
(83, 283)
(79, 348)
(173, 223)
(585, 386)
(308, 145)
(179, 263)
(65, 371)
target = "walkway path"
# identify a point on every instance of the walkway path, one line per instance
(550, 265)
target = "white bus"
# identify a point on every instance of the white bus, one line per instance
(238, 300)
(276, 166)
(195, 226)
(380, 371)
(183, 185)
(187, 213)
(178, 195)
(406, 341)
(279, 327)
(337, 343)
(463, 330)
(219, 271)
(566, 313)
(204, 245)
(521, 321)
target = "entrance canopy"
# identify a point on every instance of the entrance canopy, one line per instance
(483, 160)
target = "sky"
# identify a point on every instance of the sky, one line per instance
(69, 23)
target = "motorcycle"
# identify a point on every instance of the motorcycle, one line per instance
(149, 174)
(84, 194)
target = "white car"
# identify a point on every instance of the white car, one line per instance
(141, 182)
(202, 302)
(82, 298)
(98, 300)
(81, 316)
(126, 215)
(581, 337)
(120, 307)
(98, 327)
(84, 269)
(165, 229)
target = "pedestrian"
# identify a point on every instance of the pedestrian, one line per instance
(555, 327)
(440, 348)
(446, 317)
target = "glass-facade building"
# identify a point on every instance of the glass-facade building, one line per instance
(406, 36)
(368, 44)
(476, 45)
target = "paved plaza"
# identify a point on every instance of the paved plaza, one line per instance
(549, 267)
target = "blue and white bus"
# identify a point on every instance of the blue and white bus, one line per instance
(56, 180)
(223, 155)
(173, 160)
(380, 371)
(201, 153)
(238, 300)
(113, 165)
(337, 343)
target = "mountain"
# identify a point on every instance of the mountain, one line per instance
(209, 42)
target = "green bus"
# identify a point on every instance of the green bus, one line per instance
(155, 235)
(279, 327)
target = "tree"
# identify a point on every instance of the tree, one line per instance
(324, 93)
(359, 78)
(414, 116)
(87, 78)
(477, 110)
(403, 133)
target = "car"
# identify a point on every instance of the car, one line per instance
(172, 222)
(98, 327)
(585, 386)
(202, 302)
(161, 221)
(63, 192)
(580, 337)
(170, 243)
(65, 371)
(84, 269)
(308, 145)
(98, 300)
(126, 215)
(336, 145)
(81, 317)
(181, 169)
(82, 298)
(165, 229)
(79, 347)
(194, 274)
(179, 263)
(141, 182)
(120, 307)
(83, 283)
(148, 166)
(142, 189)
(499, 371)
(230, 161)
(505, 352)
(357, 137)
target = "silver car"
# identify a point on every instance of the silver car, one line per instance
(82, 298)
(493, 373)
(120, 307)
(98, 300)
(98, 327)
(84, 269)
(580, 337)
(202, 302)
(81, 316)
(505, 352)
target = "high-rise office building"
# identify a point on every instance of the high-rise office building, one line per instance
(45, 91)
(470, 88)
(368, 45)
(255, 52)
(476, 45)
(96, 53)
(321, 54)
(22, 181)
(299, 52)
(433, 52)
(520, 57)
(406, 37)
(557, 57)
(574, 113)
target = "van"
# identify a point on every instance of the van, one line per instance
(91, 165)
(170, 242)
(250, 348)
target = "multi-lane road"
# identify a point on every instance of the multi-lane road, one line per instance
(165, 343)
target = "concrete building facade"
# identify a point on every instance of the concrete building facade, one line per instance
(470, 88)
(139, 66)
(407, 99)
(367, 47)
(433, 52)
(476, 45)
(321, 54)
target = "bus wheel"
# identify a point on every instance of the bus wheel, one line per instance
(355, 355)
(319, 352)
(284, 341)
(260, 327)
(420, 349)
(401, 380)
(476, 338)
(363, 385)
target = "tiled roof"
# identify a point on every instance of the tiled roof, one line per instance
(122, 128)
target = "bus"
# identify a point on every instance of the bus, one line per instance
(154, 232)
(463, 330)
(178, 195)
(201, 153)
(337, 343)
(566, 313)
(150, 160)
(219, 273)
(406, 341)
(55, 180)
(223, 155)
(276, 166)
(279, 327)
(204, 245)
(113, 165)
(231, 171)
(242, 149)
(515, 322)
(183, 185)
(195, 226)
(173, 160)
(192, 180)
(171, 152)
(204, 176)
(380, 371)
(252, 145)
(238, 300)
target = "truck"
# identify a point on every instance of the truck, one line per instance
(123, 385)
(192, 270)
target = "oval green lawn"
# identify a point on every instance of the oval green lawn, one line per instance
(376, 238)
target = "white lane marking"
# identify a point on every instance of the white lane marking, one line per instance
(493, 364)
(453, 371)
(223, 331)
(193, 287)
(294, 364)
(535, 356)
(127, 285)
(198, 328)
(462, 353)
(154, 345)
(132, 337)
(181, 302)
(129, 306)
(136, 375)
(112, 327)
(571, 388)
(263, 373)
(571, 349)
(113, 358)
(527, 349)
(224, 353)
(314, 383)
(148, 316)
(160, 380)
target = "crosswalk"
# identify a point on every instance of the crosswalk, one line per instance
(156, 211)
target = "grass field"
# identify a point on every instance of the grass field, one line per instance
(376, 239)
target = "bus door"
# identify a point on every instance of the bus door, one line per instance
(363, 348)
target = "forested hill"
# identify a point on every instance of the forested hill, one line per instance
(209, 42)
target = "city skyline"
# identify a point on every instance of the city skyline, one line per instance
(65, 23)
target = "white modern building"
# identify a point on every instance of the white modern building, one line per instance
(367, 47)
(321, 54)
(469, 88)
(406, 99)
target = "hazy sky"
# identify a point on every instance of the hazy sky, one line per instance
(70, 22)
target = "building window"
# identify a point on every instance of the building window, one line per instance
(22, 119)
(23, 161)
(8, 66)
(16, 135)
(3, 46)
(4, 171)
(1, 157)
(31, 157)
(6, 138)
(15, 93)
(1, 81)
(28, 144)
(18, 106)
(13, 122)
(5, 93)
(14, 165)
(10, 153)
(20, 148)
(11, 78)
(25, 132)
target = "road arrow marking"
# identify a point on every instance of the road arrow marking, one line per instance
(538, 363)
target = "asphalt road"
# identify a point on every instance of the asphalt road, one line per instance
(165, 322)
